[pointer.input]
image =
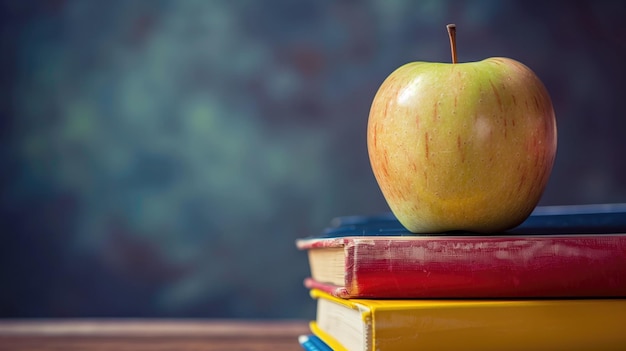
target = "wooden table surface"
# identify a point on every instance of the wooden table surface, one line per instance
(138, 334)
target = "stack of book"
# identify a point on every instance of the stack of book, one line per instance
(556, 282)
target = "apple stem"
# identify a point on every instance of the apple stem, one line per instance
(452, 34)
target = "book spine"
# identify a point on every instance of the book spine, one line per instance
(489, 267)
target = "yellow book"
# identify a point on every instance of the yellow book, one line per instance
(395, 325)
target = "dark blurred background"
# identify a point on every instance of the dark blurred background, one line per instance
(159, 158)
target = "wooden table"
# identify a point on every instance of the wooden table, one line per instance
(154, 335)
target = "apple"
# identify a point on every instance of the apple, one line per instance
(462, 146)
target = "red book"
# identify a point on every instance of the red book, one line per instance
(528, 262)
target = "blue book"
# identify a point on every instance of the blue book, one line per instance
(313, 343)
(544, 220)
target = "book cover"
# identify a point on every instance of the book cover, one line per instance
(523, 264)
(397, 325)
(548, 220)
(313, 343)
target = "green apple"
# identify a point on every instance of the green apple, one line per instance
(462, 146)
